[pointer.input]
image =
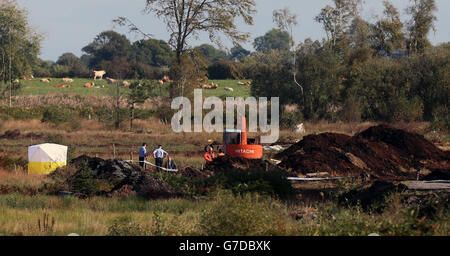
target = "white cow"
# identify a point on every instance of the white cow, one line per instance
(100, 74)
(67, 80)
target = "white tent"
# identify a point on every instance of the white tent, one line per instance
(45, 158)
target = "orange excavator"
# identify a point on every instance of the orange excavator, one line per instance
(236, 143)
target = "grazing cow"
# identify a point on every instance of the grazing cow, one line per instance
(210, 86)
(46, 80)
(110, 80)
(229, 89)
(244, 84)
(67, 80)
(89, 85)
(100, 74)
(63, 86)
(126, 83)
(161, 82)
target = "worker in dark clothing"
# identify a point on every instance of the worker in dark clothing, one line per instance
(170, 164)
(142, 155)
(159, 154)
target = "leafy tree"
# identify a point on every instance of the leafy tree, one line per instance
(388, 33)
(106, 46)
(42, 68)
(337, 20)
(321, 72)
(420, 24)
(152, 52)
(223, 69)
(275, 39)
(286, 21)
(75, 66)
(268, 72)
(19, 43)
(238, 52)
(210, 54)
(360, 41)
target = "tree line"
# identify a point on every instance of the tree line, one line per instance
(386, 70)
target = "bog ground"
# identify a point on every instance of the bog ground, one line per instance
(256, 204)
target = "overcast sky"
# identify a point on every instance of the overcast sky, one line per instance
(70, 25)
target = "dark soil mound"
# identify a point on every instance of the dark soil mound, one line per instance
(191, 172)
(411, 144)
(106, 177)
(229, 163)
(14, 134)
(371, 198)
(381, 151)
(438, 175)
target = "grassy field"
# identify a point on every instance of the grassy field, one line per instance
(36, 87)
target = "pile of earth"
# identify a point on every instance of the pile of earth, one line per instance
(16, 134)
(381, 151)
(111, 176)
(229, 163)
(10, 134)
(437, 175)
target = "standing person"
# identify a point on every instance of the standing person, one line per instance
(159, 154)
(142, 155)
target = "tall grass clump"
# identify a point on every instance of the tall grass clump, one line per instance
(125, 226)
(246, 215)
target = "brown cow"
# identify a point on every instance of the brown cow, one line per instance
(89, 85)
(244, 84)
(46, 80)
(210, 86)
(161, 82)
(63, 86)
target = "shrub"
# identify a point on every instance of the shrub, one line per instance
(57, 115)
(10, 163)
(125, 226)
(271, 183)
(246, 215)
(289, 119)
(441, 118)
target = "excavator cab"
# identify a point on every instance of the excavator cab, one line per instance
(236, 143)
(231, 137)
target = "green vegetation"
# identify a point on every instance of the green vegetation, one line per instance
(223, 214)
